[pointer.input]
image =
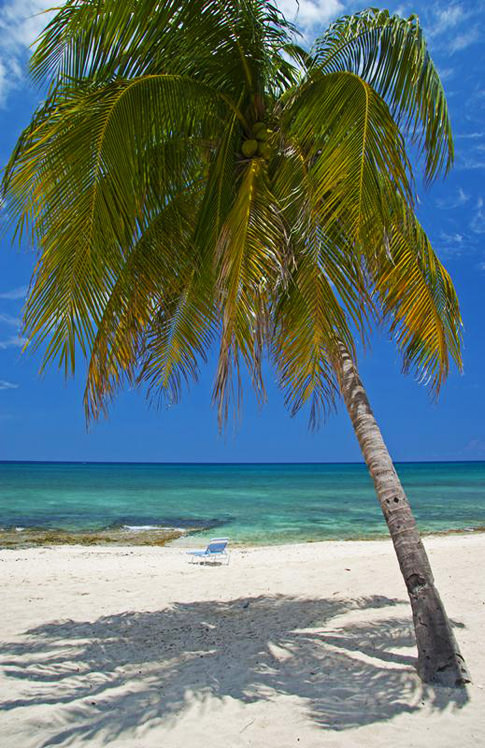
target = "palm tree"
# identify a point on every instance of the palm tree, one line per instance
(195, 178)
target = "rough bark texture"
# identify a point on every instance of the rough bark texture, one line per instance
(439, 659)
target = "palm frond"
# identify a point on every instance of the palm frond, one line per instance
(249, 256)
(151, 274)
(310, 325)
(419, 301)
(179, 336)
(220, 189)
(213, 41)
(305, 213)
(352, 146)
(88, 204)
(391, 54)
(157, 237)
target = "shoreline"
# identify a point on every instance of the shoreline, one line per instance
(172, 537)
(176, 549)
(305, 644)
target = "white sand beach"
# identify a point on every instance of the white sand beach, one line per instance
(305, 645)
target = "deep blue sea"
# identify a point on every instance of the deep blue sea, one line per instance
(258, 503)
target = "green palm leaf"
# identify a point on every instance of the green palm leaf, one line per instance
(418, 297)
(249, 254)
(310, 325)
(181, 332)
(390, 53)
(352, 145)
(144, 285)
(89, 203)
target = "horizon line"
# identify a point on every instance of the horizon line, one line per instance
(200, 462)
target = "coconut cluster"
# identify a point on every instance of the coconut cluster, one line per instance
(257, 145)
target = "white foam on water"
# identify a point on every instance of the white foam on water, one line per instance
(145, 528)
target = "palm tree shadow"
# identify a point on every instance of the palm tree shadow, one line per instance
(108, 677)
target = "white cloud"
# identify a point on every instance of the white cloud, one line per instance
(477, 224)
(461, 243)
(403, 10)
(462, 41)
(7, 319)
(21, 22)
(15, 293)
(14, 341)
(4, 385)
(455, 238)
(451, 27)
(454, 244)
(470, 135)
(453, 202)
(470, 163)
(475, 448)
(446, 74)
(310, 14)
(446, 19)
(3, 81)
(471, 151)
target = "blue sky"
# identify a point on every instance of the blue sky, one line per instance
(41, 418)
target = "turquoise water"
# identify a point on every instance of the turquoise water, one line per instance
(250, 503)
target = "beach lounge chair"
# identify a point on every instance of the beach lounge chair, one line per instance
(215, 551)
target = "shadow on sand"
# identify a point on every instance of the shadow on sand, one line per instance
(107, 677)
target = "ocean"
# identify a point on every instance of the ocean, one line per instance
(250, 503)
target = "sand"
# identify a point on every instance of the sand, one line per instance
(305, 645)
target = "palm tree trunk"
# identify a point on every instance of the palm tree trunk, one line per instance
(439, 659)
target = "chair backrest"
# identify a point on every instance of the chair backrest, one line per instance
(217, 545)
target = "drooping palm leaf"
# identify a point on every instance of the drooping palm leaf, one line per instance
(418, 297)
(89, 203)
(391, 54)
(309, 326)
(298, 193)
(351, 143)
(150, 275)
(250, 250)
(179, 336)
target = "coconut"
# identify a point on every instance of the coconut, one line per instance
(262, 134)
(249, 148)
(259, 131)
(264, 149)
